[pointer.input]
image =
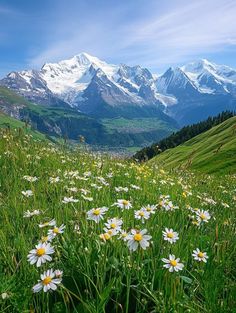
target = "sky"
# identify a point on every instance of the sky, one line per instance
(155, 34)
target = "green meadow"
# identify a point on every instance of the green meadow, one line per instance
(92, 210)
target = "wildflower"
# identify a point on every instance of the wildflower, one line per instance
(46, 239)
(114, 223)
(138, 238)
(31, 213)
(41, 254)
(170, 235)
(69, 200)
(135, 187)
(150, 208)
(49, 280)
(105, 236)
(200, 256)
(30, 178)
(56, 230)
(203, 216)
(96, 214)
(50, 223)
(173, 264)
(53, 180)
(123, 204)
(121, 189)
(141, 215)
(5, 295)
(27, 193)
(123, 235)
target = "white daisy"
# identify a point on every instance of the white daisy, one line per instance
(54, 180)
(123, 235)
(27, 193)
(49, 280)
(138, 238)
(170, 235)
(50, 223)
(150, 208)
(41, 254)
(123, 204)
(69, 200)
(96, 214)
(203, 216)
(141, 215)
(114, 223)
(200, 256)
(30, 178)
(56, 230)
(31, 213)
(173, 264)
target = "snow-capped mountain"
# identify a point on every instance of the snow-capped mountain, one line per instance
(95, 87)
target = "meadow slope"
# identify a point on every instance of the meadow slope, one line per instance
(213, 151)
(87, 233)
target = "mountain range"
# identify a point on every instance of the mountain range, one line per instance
(94, 88)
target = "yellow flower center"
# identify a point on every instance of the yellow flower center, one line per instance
(113, 225)
(141, 213)
(138, 237)
(203, 216)
(125, 202)
(200, 255)
(173, 262)
(109, 232)
(124, 235)
(170, 235)
(45, 224)
(44, 238)
(56, 230)
(148, 209)
(96, 211)
(47, 280)
(40, 251)
(107, 236)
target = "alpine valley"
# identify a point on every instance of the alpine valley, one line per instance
(116, 105)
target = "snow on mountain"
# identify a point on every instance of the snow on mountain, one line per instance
(86, 83)
(210, 77)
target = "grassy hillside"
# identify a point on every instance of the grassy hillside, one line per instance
(211, 152)
(118, 133)
(11, 123)
(68, 203)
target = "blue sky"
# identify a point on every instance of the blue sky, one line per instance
(153, 33)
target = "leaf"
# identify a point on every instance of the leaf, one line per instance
(186, 279)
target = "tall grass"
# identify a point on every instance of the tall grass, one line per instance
(104, 276)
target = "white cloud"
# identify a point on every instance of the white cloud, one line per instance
(166, 34)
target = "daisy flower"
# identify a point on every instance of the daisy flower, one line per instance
(138, 238)
(50, 223)
(170, 235)
(203, 216)
(123, 204)
(173, 264)
(141, 215)
(200, 256)
(49, 280)
(69, 200)
(96, 214)
(150, 208)
(31, 213)
(123, 235)
(27, 193)
(105, 236)
(56, 230)
(41, 254)
(114, 223)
